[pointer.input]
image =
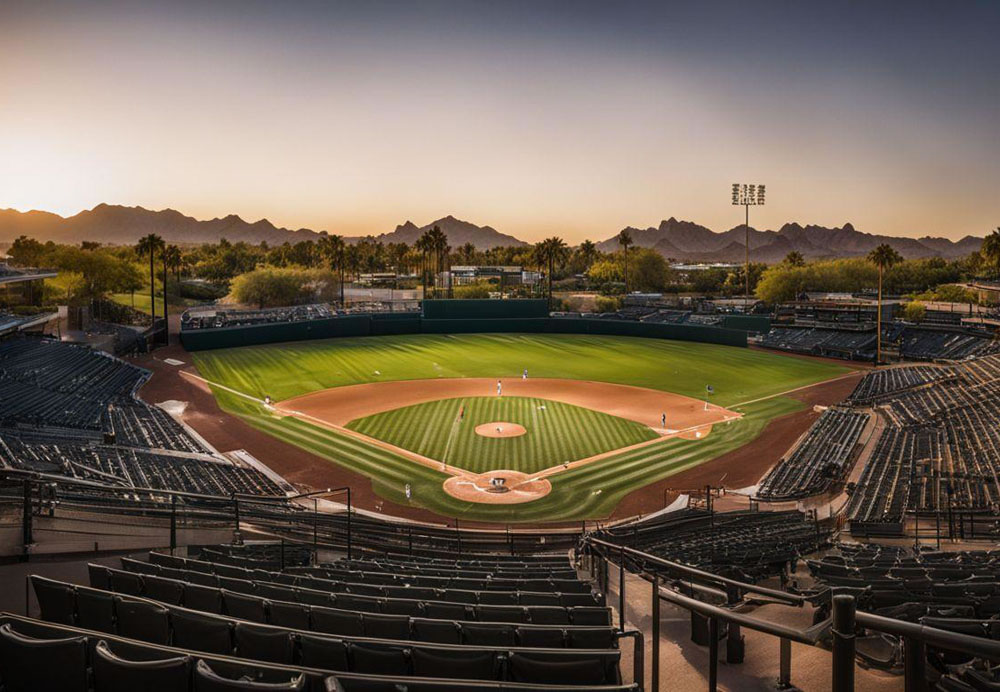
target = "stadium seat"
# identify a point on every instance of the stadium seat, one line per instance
(488, 634)
(207, 599)
(471, 665)
(263, 643)
(437, 631)
(292, 615)
(142, 620)
(386, 626)
(244, 607)
(200, 632)
(371, 658)
(323, 652)
(115, 674)
(207, 680)
(56, 601)
(333, 621)
(95, 610)
(28, 664)
(162, 589)
(546, 669)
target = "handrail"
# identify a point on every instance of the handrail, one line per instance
(943, 639)
(810, 636)
(791, 599)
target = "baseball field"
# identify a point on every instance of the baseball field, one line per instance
(597, 417)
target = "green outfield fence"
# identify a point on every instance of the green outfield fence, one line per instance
(455, 317)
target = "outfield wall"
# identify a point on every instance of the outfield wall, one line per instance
(377, 324)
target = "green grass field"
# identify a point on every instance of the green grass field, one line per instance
(556, 432)
(592, 491)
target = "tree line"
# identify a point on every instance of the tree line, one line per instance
(264, 275)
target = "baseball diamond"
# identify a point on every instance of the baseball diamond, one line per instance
(393, 408)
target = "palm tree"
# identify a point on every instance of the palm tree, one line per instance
(883, 257)
(148, 245)
(331, 247)
(550, 252)
(990, 250)
(439, 249)
(625, 239)
(173, 259)
(588, 254)
(467, 253)
(425, 245)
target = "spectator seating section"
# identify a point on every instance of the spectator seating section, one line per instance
(72, 411)
(748, 546)
(418, 624)
(939, 450)
(822, 458)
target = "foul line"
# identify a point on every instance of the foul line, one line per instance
(853, 373)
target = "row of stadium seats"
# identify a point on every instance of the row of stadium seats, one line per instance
(822, 458)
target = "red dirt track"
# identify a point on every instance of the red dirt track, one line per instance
(736, 469)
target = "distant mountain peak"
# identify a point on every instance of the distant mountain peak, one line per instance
(677, 239)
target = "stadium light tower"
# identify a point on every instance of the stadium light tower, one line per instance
(747, 196)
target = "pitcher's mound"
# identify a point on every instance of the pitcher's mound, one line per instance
(500, 429)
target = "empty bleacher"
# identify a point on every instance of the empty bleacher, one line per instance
(821, 459)
(742, 545)
(940, 449)
(238, 626)
(71, 411)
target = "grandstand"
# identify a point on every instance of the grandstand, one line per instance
(939, 452)
(823, 458)
(349, 600)
(71, 411)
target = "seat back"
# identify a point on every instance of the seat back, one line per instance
(28, 664)
(115, 674)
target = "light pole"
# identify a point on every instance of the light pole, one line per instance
(747, 196)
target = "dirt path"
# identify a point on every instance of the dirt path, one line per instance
(739, 468)
(341, 405)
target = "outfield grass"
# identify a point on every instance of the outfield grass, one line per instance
(289, 369)
(589, 492)
(556, 432)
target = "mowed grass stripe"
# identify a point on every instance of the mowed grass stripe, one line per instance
(592, 491)
(287, 370)
(556, 432)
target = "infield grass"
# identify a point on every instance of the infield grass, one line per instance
(588, 492)
(555, 432)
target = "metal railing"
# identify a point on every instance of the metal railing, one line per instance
(840, 628)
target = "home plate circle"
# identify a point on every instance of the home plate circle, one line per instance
(497, 487)
(500, 429)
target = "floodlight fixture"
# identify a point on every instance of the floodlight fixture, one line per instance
(748, 195)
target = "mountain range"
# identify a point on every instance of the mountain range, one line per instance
(685, 240)
(680, 240)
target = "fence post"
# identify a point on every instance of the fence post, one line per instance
(843, 643)
(734, 639)
(173, 523)
(655, 609)
(348, 524)
(915, 665)
(784, 664)
(621, 589)
(26, 537)
(713, 654)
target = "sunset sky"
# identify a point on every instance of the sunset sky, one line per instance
(537, 118)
